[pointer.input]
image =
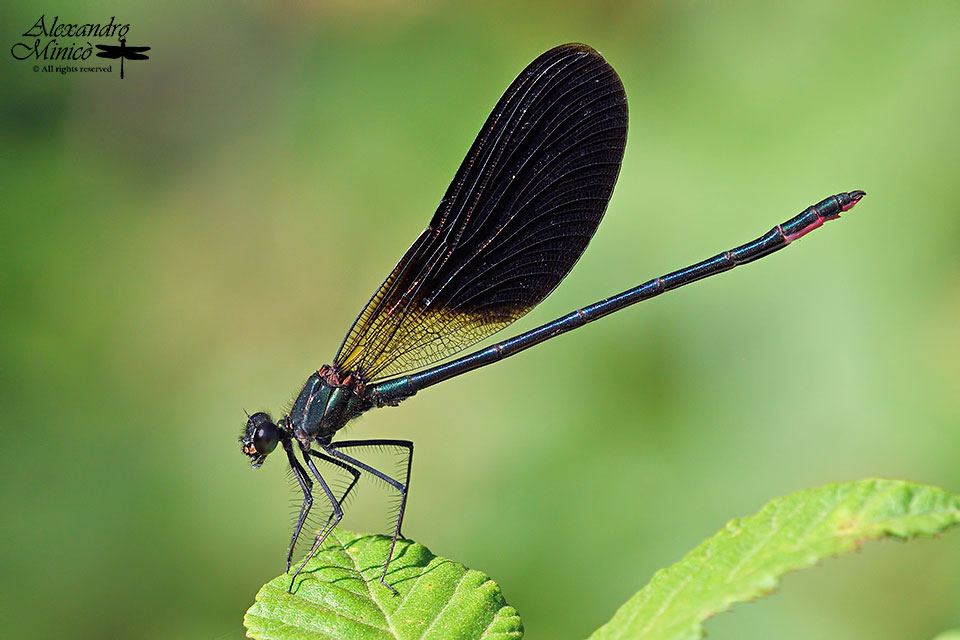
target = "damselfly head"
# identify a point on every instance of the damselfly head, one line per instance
(259, 438)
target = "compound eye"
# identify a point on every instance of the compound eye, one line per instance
(259, 437)
(265, 438)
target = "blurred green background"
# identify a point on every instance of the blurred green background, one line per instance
(193, 240)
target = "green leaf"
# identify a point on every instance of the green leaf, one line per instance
(339, 595)
(744, 560)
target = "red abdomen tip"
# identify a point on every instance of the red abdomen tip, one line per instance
(854, 199)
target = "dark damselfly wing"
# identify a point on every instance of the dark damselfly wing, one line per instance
(519, 213)
(122, 51)
(109, 51)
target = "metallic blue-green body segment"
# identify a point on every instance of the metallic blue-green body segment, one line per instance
(322, 409)
(395, 390)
